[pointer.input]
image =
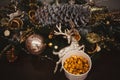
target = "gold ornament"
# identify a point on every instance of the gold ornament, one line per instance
(6, 33)
(96, 49)
(31, 15)
(26, 34)
(77, 37)
(50, 36)
(16, 23)
(93, 37)
(50, 44)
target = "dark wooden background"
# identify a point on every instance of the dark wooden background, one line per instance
(106, 66)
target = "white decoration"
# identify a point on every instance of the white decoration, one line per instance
(15, 14)
(74, 45)
(56, 47)
(6, 33)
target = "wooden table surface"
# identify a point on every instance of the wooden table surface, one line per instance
(106, 66)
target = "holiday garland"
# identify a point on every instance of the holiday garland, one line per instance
(96, 27)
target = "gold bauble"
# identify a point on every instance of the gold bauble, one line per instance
(93, 37)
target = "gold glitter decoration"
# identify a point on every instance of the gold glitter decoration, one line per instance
(93, 37)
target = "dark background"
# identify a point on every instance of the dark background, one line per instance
(106, 65)
(111, 4)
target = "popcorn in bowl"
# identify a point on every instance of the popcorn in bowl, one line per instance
(76, 65)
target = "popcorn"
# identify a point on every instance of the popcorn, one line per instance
(76, 65)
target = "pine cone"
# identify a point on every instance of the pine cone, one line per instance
(63, 13)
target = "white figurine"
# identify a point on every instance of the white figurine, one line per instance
(74, 45)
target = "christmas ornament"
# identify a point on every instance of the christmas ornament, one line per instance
(50, 44)
(96, 49)
(56, 47)
(93, 37)
(31, 14)
(4, 21)
(6, 33)
(50, 36)
(35, 44)
(15, 23)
